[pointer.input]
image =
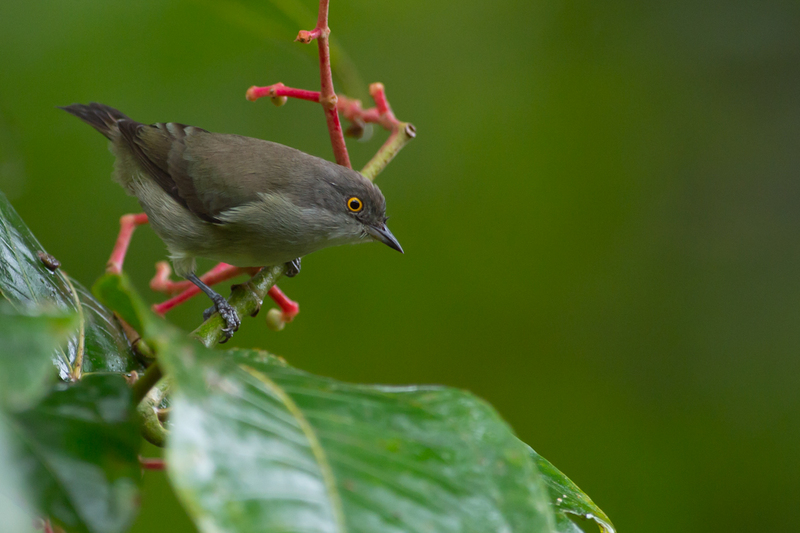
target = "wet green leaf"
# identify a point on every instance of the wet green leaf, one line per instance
(27, 344)
(107, 348)
(116, 291)
(256, 445)
(16, 504)
(260, 446)
(98, 343)
(575, 511)
(25, 281)
(77, 451)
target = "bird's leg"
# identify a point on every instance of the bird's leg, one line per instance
(218, 274)
(293, 268)
(225, 310)
(221, 272)
(127, 224)
(162, 283)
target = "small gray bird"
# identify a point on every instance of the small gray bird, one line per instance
(235, 199)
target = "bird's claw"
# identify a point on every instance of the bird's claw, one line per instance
(293, 268)
(228, 314)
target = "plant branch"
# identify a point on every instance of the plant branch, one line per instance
(352, 110)
(127, 225)
(221, 272)
(402, 134)
(246, 299)
(327, 95)
(146, 382)
(162, 283)
(152, 428)
(280, 90)
(152, 463)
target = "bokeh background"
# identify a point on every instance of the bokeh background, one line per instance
(600, 216)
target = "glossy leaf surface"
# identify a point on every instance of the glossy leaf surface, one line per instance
(16, 504)
(260, 446)
(98, 343)
(27, 344)
(575, 511)
(77, 452)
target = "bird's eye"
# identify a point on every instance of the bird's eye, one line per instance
(355, 204)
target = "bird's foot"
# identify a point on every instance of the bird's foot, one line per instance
(228, 314)
(293, 268)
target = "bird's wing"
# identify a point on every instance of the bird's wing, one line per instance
(156, 147)
(209, 173)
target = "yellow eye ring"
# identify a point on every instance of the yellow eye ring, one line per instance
(355, 204)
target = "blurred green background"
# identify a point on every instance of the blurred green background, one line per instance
(600, 216)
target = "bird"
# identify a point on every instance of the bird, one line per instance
(239, 200)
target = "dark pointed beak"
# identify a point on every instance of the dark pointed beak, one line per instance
(382, 233)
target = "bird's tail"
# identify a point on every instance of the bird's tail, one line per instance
(101, 117)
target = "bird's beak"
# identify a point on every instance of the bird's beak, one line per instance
(382, 233)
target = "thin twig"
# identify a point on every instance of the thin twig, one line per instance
(327, 95)
(246, 299)
(146, 382)
(127, 225)
(403, 133)
(153, 429)
(352, 110)
(152, 463)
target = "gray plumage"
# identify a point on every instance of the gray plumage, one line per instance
(235, 199)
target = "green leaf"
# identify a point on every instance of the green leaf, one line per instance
(98, 343)
(24, 279)
(78, 453)
(258, 446)
(107, 348)
(16, 505)
(27, 344)
(575, 511)
(116, 291)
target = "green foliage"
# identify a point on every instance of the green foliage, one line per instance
(98, 344)
(78, 451)
(26, 354)
(574, 510)
(254, 445)
(349, 457)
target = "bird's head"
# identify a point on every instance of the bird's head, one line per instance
(360, 205)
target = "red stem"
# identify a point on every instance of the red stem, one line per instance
(278, 90)
(378, 94)
(162, 283)
(221, 272)
(218, 274)
(175, 301)
(151, 463)
(327, 95)
(322, 16)
(127, 225)
(306, 37)
(289, 307)
(351, 109)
